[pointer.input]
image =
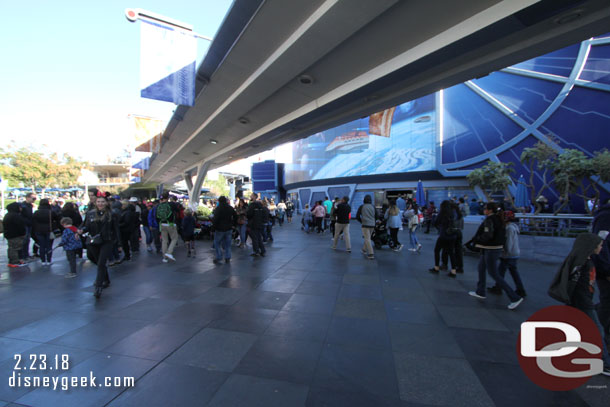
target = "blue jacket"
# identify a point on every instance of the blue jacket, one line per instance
(152, 218)
(70, 240)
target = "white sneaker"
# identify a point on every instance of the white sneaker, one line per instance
(170, 256)
(165, 260)
(149, 248)
(515, 304)
(474, 294)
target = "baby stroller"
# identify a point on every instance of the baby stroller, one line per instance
(380, 236)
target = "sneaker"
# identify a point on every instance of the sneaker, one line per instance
(149, 248)
(419, 247)
(433, 270)
(400, 247)
(349, 250)
(262, 254)
(165, 260)
(254, 255)
(515, 304)
(11, 265)
(606, 371)
(170, 256)
(333, 247)
(412, 249)
(370, 257)
(363, 251)
(70, 275)
(227, 261)
(216, 261)
(474, 294)
(452, 275)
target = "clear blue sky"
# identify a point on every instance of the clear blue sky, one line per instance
(70, 70)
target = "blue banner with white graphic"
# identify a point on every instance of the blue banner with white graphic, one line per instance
(167, 64)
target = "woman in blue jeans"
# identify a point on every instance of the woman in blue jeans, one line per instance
(44, 222)
(490, 239)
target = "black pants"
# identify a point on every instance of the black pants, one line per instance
(458, 251)
(394, 237)
(135, 239)
(125, 243)
(332, 227)
(257, 240)
(319, 224)
(71, 256)
(447, 246)
(156, 238)
(99, 255)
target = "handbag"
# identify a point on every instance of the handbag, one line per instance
(563, 285)
(95, 240)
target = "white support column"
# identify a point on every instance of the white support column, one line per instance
(189, 181)
(194, 192)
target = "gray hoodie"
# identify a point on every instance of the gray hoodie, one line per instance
(511, 246)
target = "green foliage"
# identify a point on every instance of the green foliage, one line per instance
(203, 212)
(601, 165)
(217, 187)
(493, 176)
(35, 169)
(539, 159)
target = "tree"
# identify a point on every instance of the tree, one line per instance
(38, 170)
(577, 174)
(493, 177)
(538, 158)
(218, 187)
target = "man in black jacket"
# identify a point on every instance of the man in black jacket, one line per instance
(14, 232)
(258, 216)
(342, 223)
(27, 211)
(224, 219)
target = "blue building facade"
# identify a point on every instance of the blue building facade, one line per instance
(561, 99)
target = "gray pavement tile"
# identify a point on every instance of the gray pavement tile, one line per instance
(415, 313)
(309, 327)
(319, 288)
(361, 279)
(221, 295)
(357, 371)
(264, 299)
(214, 349)
(49, 328)
(471, 317)
(172, 385)
(243, 319)
(439, 381)
(312, 304)
(101, 333)
(279, 285)
(282, 359)
(360, 332)
(154, 341)
(240, 390)
(490, 346)
(371, 292)
(149, 309)
(360, 308)
(424, 339)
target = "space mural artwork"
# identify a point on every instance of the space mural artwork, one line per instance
(398, 139)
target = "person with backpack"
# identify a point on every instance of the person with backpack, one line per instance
(446, 224)
(366, 217)
(44, 223)
(490, 239)
(224, 219)
(71, 242)
(166, 216)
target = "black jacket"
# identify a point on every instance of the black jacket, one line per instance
(27, 211)
(107, 227)
(77, 220)
(447, 226)
(224, 217)
(491, 234)
(188, 226)
(342, 213)
(42, 222)
(602, 260)
(257, 215)
(128, 221)
(13, 223)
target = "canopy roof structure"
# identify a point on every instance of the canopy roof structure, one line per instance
(278, 70)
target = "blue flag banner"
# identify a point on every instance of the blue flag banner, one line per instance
(167, 64)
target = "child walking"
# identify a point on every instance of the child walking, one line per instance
(188, 232)
(71, 242)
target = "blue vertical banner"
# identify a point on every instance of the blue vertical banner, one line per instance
(167, 64)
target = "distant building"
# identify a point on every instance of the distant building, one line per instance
(105, 175)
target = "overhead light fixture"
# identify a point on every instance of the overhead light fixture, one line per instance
(243, 120)
(213, 141)
(305, 79)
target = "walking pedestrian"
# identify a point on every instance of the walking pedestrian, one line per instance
(342, 212)
(224, 220)
(366, 216)
(392, 215)
(14, 230)
(44, 223)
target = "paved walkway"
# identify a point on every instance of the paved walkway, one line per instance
(303, 326)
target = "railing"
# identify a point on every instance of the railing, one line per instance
(114, 180)
(565, 225)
